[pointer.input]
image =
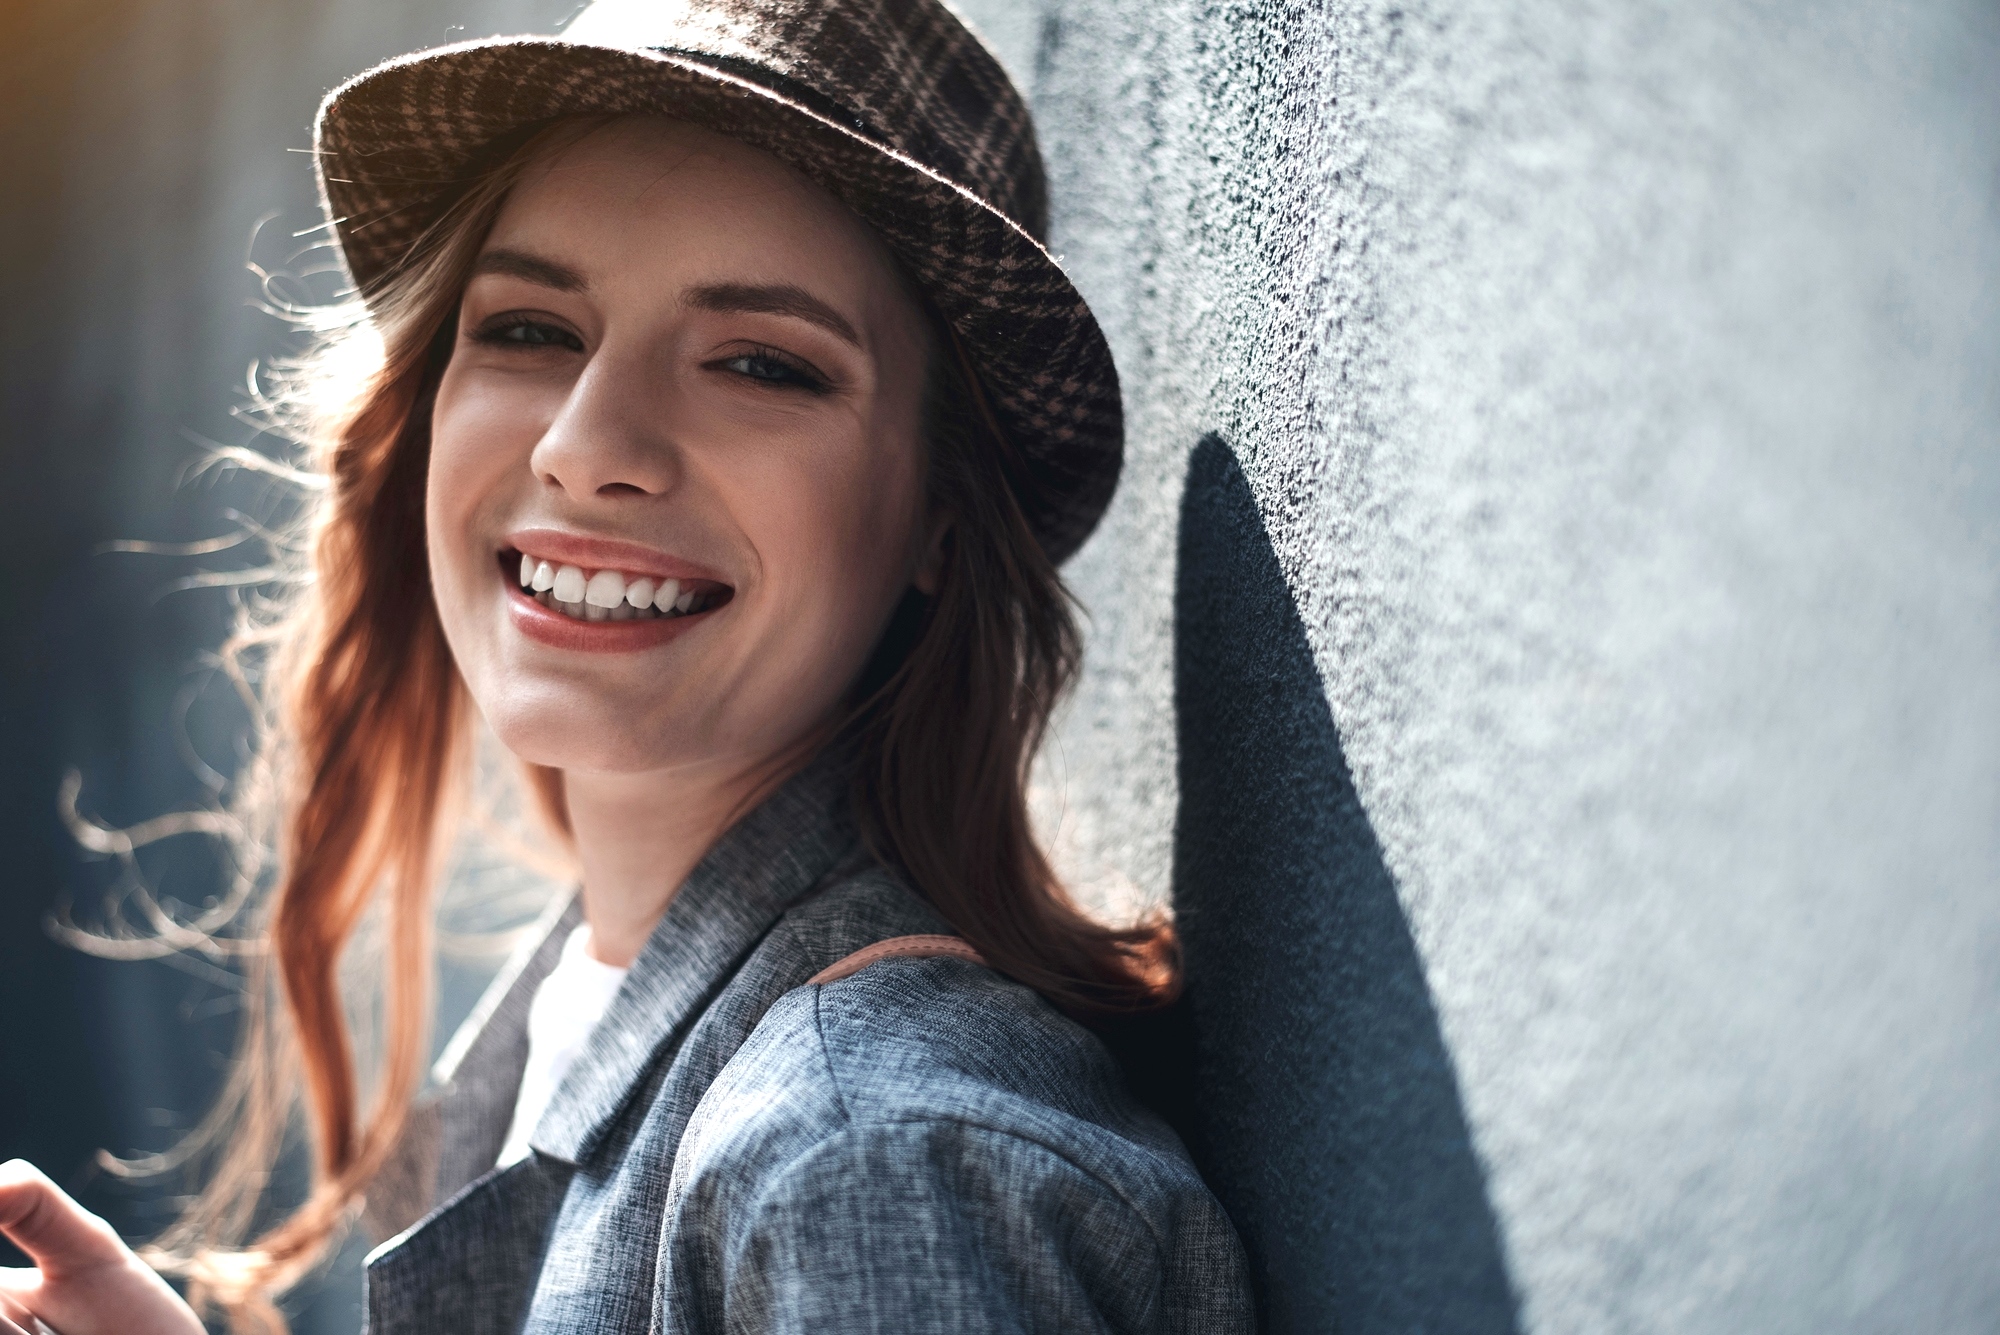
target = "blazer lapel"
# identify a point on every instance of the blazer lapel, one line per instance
(453, 1135)
(471, 1263)
(757, 870)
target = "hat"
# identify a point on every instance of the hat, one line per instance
(892, 106)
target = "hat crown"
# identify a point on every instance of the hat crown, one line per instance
(906, 74)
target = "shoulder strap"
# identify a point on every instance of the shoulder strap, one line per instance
(896, 947)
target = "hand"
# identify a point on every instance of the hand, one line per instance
(85, 1280)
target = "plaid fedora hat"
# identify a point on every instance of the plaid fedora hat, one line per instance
(892, 106)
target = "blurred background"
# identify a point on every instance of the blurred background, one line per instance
(155, 163)
(1546, 646)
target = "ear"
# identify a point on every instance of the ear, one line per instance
(929, 570)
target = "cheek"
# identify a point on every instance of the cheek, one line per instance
(479, 443)
(865, 534)
(835, 541)
(451, 483)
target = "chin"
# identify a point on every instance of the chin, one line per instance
(599, 738)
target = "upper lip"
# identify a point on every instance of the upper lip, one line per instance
(559, 548)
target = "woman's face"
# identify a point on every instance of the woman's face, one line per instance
(686, 389)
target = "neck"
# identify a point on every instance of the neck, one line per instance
(639, 835)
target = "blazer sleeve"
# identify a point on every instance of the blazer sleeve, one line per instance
(947, 1228)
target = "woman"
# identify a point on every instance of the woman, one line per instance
(720, 427)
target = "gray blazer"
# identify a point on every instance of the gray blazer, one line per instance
(923, 1146)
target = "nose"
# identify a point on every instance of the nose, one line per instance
(612, 438)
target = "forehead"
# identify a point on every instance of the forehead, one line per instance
(645, 206)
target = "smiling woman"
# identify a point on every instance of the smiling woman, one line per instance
(719, 434)
(677, 359)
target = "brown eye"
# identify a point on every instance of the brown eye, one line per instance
(769, 369)
(518, 333)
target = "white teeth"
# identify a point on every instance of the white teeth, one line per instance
(606, 589)
(606, 595)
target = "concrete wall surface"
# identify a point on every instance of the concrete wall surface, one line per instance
(1548, 639)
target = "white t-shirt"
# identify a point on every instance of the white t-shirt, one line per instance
(567, 1006)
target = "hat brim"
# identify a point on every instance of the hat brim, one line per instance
(397, 145)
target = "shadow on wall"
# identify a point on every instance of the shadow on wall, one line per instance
(1327, 1115)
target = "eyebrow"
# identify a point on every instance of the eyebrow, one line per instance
(772, 299)
(530, 268)
(720, 298)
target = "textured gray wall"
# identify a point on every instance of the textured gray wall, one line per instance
(1564, 472)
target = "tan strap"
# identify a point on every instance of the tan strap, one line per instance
(896, 947)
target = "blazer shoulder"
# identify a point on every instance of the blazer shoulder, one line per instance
(926, 1041)
(926, 1101)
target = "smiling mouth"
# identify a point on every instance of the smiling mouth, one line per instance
(610, 595)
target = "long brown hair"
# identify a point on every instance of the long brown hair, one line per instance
(363, 765)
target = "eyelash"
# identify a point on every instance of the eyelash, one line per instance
(494, 333)
(794, 374)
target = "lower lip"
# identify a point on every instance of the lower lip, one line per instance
(547, 626)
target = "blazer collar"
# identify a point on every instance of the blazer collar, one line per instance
(759, 868)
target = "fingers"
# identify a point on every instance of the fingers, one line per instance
(57, 1234)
